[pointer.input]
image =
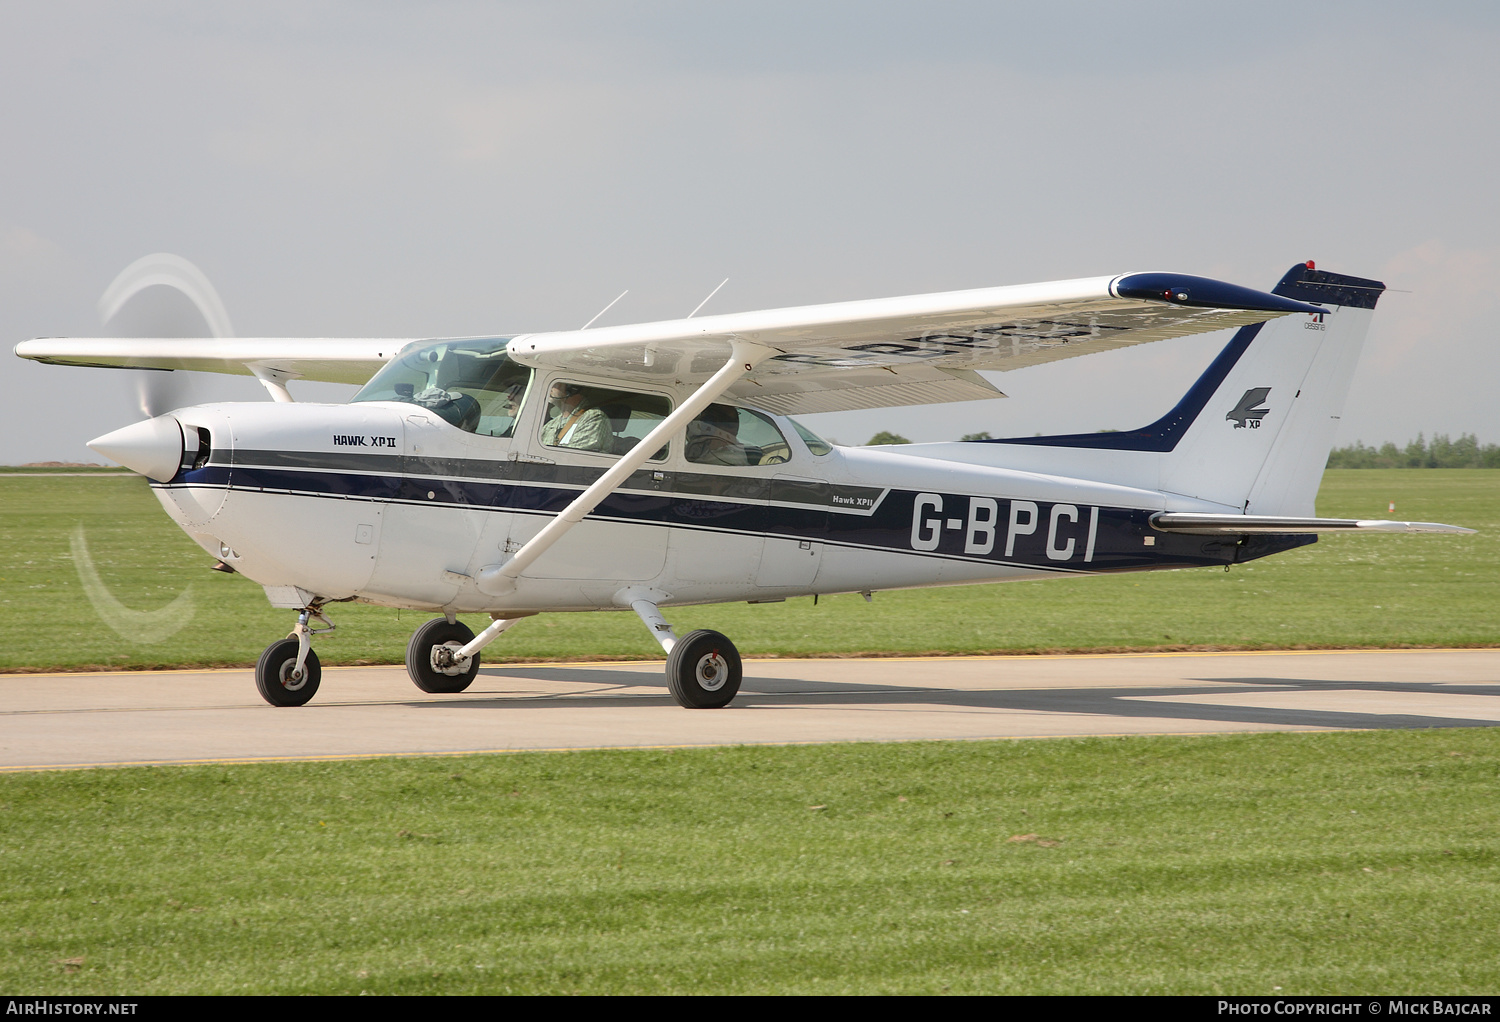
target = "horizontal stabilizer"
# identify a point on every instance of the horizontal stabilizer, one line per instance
(1240, 525)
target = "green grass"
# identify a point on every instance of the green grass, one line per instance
(1372, 591)
(1243, 864)
(31, 470)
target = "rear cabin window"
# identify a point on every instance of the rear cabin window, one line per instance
(725, 435)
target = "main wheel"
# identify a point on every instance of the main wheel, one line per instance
(703, 670)
(275, 679)
(425, 665)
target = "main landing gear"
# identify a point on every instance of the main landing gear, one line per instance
(703, 667)
(703, 670)
(443, 655)
(430, 660)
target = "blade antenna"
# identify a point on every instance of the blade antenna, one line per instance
(602, 311)
(710, 295)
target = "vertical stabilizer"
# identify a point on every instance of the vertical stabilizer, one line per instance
(1262, 439)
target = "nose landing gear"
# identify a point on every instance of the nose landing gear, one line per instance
(288, 672)
(280, 681)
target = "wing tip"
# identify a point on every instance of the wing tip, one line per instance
(1205, 293)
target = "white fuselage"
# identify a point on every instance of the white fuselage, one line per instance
(387, 503)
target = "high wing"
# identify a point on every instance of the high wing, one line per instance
(915, 350)
(918, 349)
(328, 359)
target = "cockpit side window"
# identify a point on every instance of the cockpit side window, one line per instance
(600, 419)
(470, 383)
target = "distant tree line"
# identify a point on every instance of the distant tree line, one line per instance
(1465, 452)
(887, 437)
(1440, 452)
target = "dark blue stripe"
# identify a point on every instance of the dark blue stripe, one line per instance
(1119, 543)
(1163, 434)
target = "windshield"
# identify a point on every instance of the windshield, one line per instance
(471, 383)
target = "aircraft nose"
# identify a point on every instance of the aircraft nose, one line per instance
(152, 447)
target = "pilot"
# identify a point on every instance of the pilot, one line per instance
(713, 437)
(507, 409)
(574, 423)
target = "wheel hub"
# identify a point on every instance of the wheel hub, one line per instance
(712, 672)
(443, 662)
(292, 679)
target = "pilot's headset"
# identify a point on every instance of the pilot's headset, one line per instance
(558, 393)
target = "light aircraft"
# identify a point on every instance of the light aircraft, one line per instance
(656, 465)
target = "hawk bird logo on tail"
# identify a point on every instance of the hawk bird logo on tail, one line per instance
(1245, 413)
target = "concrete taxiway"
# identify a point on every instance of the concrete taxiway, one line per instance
(115, 719)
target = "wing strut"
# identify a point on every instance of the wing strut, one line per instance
(743, 357)
(274, 380)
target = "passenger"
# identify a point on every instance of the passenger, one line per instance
(574, 423)
(713, 437)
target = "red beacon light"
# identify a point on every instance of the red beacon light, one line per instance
(1311, 265)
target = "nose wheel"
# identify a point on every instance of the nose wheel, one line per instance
(280, 681)
(288, 672)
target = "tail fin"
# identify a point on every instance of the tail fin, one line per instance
(1254, 431)
(1281, 402)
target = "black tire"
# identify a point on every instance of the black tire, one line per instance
(435, 633)
(703, 670)
(273, 675)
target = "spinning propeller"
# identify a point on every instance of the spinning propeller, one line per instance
(129, 308)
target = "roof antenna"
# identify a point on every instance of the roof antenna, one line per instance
(710, 295)
(602, 311)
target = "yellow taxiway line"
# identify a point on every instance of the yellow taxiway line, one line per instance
(796, 659)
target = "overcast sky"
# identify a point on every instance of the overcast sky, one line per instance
(385, 169)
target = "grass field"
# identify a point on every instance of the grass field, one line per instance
(1245, 864)
(1240, 864)
(1344, 591)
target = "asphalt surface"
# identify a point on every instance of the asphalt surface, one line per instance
(116, 719)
